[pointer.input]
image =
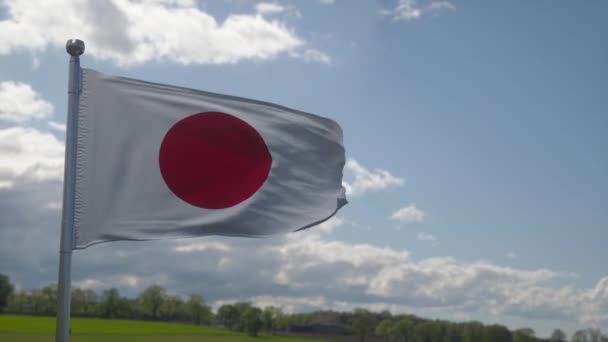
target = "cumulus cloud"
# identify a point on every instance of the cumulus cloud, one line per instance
(362, 180)
(130, 32)
(57, 126)
(202, 246)
(409, 214)
(412, 9)
(300, 271)
(26, 154)
(20, 103)
(269, 8)
(288, 303)
(30, 154)
(330, 225)
(312, 55)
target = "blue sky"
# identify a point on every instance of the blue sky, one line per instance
(485, 120)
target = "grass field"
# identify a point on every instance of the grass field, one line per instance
(42, 329)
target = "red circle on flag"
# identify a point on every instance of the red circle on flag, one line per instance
(214, 160)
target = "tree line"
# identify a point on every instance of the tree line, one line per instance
(154, 303)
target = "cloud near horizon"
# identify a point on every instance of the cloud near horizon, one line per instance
(300, 271)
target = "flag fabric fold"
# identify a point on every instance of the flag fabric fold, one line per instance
(156, 161)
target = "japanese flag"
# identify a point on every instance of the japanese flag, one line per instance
(156, 161)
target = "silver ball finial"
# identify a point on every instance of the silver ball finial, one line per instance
(75, 47)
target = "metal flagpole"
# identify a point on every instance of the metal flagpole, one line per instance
(75, 48)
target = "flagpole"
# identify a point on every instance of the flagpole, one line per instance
(75, 48)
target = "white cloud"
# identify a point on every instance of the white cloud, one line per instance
(27, 153)
(312, 55)
(287, 303)
(89, 283)
(422, 236)
(366, 180)
(511, 255)
(130, 280)
(54, 205)
(57, 126)
(330, 225)
(20, 103)
(409, 214)
(327, 2)
(311, 250)
(269, 8)
(201, 246)
(411, 9)
(131, 32)
(440, 5)
(123, 280)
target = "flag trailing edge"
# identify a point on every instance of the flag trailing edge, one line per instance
(156, 161)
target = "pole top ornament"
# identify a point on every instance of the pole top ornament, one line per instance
(75, 47)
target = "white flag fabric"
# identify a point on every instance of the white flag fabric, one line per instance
(157, 161)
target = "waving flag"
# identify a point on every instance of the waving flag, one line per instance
(156, 161)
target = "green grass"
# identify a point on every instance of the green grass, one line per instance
(42, 329)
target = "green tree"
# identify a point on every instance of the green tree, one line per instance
(6, 290)
(384, 314)
(90, 302)
(109, 306)
(228, 316)
(273, 318)
(268, 321)
(595, 335)
(428, 331)
(198, 311)
(363, 323)
(251, 321)
(496, 333)
(124, 308)
(453, 333)
(527, 331)
(241, 308)
(558, 335)
(385, 328)
(281, 321)
(83, 302)
(524, 335)
(472, 332)
(36, 302)
(20, 302)
(401, 329)
(580, 336)
(172, 308)
(48, 300)
(151, 300)
(77, 302)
